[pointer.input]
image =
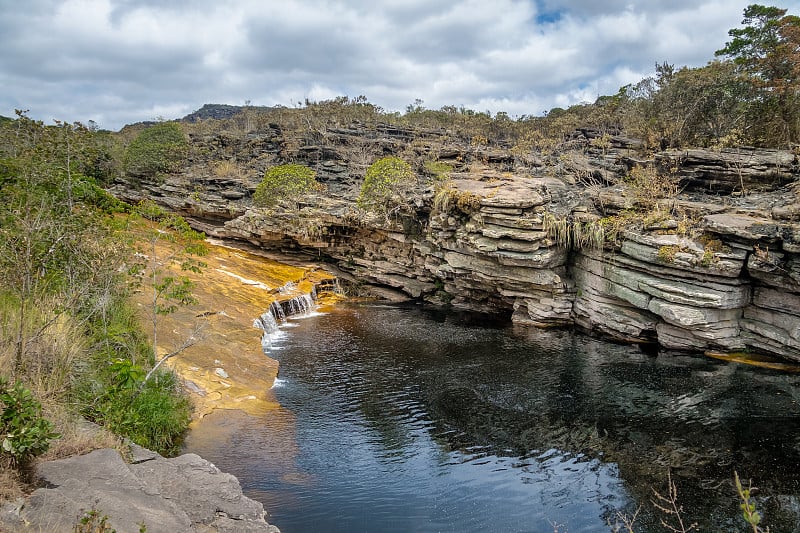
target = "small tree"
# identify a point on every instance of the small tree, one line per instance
(286, 183)
(168, 290)
(385, 183)
(766, 51)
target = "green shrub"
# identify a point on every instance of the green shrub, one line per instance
(25, 433)
(285, 182)
(153, 413)
(384, 183)
(159, 149)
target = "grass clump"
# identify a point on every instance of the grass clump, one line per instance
(572, 233)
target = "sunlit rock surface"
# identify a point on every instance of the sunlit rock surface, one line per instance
(704, 276)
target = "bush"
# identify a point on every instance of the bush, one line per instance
(153, 413)
(284, 182)
(384, 183)
(159, 149)
(25, 433)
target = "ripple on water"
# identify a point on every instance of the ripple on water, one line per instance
(400, 420)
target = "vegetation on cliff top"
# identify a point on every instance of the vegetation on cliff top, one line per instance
(68, 336)
(748, 95)
(159, 149)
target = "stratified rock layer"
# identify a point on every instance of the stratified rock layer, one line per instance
(525, 240)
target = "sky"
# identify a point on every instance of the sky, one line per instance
(122, 61)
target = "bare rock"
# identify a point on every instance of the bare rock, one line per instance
(183, 494)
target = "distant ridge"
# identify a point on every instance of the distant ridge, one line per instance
(216, 112)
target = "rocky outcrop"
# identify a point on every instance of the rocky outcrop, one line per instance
(731, 169)
(543, 240)
(183, 494)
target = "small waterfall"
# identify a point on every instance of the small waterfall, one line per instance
(279, 311)
(287, 287)
(268, 323)
(299, 305)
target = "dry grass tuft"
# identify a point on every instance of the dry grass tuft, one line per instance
(78, 436)
(12, 486)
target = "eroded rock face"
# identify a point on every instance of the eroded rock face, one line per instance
(705, 276)
(183, 494)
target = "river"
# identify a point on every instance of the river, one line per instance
(398, 418)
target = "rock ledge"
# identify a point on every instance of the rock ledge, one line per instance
(182, 494)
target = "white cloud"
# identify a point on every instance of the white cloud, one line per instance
(120, 61)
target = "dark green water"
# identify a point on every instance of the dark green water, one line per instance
(400, 419)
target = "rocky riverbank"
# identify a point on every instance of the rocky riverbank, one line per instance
(563, 239)
(226, 368)
(146, 493)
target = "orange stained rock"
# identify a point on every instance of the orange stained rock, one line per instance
(226, 368)
(762, 361)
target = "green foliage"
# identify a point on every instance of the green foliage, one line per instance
(113, 392)
(648, 186)
(153, 413)
(757, 40)
(93, 521)
(385, 181)
(63, 292)
(690, 106)
(766, 51)
(25, 433)
(285, 182)
(747, 505)
(159, 149)
(439, 170)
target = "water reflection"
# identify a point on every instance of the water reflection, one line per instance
(410, 420)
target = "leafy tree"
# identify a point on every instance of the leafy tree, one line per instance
(385, 183)
(767, 51)
(159, 149)
(46, 253)
(63, 294)
(688, 106)
(286, 183)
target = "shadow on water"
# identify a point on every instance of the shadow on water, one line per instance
(401, 419)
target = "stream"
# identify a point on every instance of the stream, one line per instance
(400, 418)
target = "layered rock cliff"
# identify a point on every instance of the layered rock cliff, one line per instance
(554, 239)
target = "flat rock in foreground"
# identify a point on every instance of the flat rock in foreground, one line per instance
(182, 494)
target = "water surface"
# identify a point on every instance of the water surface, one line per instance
(402, 419)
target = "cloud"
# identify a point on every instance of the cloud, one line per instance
(121, 61)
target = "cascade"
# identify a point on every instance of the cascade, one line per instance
(270, 321)
(302, 304)
(277, 310)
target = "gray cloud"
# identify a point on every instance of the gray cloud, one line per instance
(121, 61)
